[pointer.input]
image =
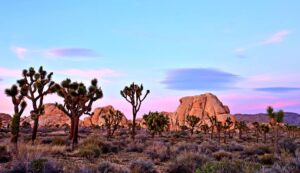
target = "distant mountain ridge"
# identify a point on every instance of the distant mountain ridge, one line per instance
(290, 118)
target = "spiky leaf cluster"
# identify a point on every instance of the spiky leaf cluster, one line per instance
(192, 120)
(78, 99)
(276, 117)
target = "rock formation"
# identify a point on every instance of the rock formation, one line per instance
(202, 106)
(53, 117)
(96, 118)
(5, 120)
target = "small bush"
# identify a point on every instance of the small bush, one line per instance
(219, 155)
(135, 147)
(229, 166)
(107, 167)
(142, 166)
(233, 146)
(288, 145)
(158, 151)
(208, 147)
(89, 151)
(267, 159)
(187, 161)
(184, 147)
(4, 155)
(58, 141)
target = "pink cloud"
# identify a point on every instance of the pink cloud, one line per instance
(21, 52)
(277, 37)
(72, 52)
(6, 72)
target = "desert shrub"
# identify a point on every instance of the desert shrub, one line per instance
(16, 167)
(278, 167)
(43, 166)
(267, 159)
(219, 155)
(84, 130)
(58, 141)
(257, 150)
(158, 150)
(208, 147)
(4, 155)
(180, 134)
(135, 147)
(46, 141)
(108, 147)
(184, 147)
(288, 145)
(229, 166)
(89, 151)
(188, 162)
(233, 146)
(107, 167)
(142, 166)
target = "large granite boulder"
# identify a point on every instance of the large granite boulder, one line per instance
(96, 118)
(202, 106)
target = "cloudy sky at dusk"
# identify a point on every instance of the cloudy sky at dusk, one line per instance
(247, 53)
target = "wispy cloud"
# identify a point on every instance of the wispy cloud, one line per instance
(278, 89)
(199, 79)
(274, 38)
(277, 37)
(7, 72)
(72, 52)
(20, 52)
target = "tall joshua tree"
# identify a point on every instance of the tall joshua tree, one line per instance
(265, 129)
(193, 121)
(213, 123)
(226, 126)
(38, 84)
(78, 100)
(275, 119)
(134, 95)
(257, 130)
(17, 96)
(241, 126)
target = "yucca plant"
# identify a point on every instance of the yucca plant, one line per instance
(226, 126)
(213, 123)
(241, 126)
(265, 129)
(276, 118)
(257, 130)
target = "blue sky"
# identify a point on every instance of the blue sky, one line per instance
(247, 53)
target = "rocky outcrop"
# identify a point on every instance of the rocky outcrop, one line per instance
(5, 120)
(52, 117)
(96, 118)
(202, 106)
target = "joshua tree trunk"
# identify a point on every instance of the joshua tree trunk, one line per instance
(71, 129)
(240, 134)
(225, 136)
(75, 132)
(265, 137)
(133, 126)
(212, 133)
(35, 128)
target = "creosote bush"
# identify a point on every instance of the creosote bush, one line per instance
(142, 166)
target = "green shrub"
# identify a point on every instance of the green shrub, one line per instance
(89, 151)
(229, 166)
(267, 159)
(219, 155)
(58, 141)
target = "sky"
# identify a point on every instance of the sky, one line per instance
(246, 53)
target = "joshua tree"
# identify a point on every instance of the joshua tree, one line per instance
(213, 123)
(78, 100)
(219, 128)
(192, 121)
(227, 125)
(38, 84)
(241, 126)
(257, 130)
(204, 128)
(156, 122)
(112, 121)
(134, 95)
(17, 96)
(265, 129)
(275, 119)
